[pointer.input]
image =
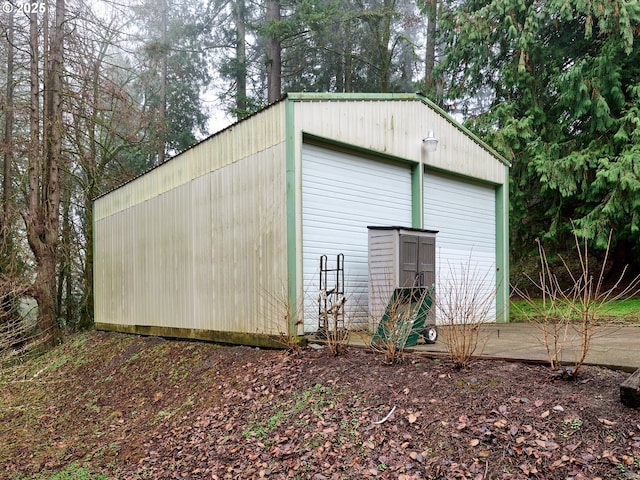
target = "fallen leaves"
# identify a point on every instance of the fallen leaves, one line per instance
(413, 417)
(500, 423)
(606, 422)
(191, 410)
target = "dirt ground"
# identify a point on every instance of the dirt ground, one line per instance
(131, 407)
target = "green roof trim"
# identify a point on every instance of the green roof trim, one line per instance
(323, 96)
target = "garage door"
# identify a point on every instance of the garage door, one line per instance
(464, 213)
(342, 194)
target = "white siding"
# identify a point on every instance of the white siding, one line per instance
(464, 213)
(342, 194)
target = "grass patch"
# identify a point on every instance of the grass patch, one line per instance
(314, 400)
(619, 312)
(70, 472)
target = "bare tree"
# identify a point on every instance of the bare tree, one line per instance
(569, 316)
(8, 133)
(45, 158)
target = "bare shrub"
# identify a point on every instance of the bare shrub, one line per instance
(547, 313)
(569, 317)
(463, 305)
(286, 318)
(332, 315)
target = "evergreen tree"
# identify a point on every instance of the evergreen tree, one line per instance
(350, 46)
(174, 70)
(563, 80)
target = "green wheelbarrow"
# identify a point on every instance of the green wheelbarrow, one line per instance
(405, 318)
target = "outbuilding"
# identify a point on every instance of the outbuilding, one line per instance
(223, 241)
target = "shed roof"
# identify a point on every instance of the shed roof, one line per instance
(337, 97)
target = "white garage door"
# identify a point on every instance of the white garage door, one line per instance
(464, 213)
(342, 194)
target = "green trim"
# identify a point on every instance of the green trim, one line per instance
(460, 176)
(292, 215)
(311, 139)
(417, 196)
(463, 129)
(502, 238)
(323, 96)
(232, 338)
(417, 172)
(502, 252)
(94, 272)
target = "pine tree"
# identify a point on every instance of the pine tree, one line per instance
(564, 85)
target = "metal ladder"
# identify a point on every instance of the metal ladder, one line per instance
(331, 299)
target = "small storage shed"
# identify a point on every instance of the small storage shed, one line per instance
(399, 257)
(223, 241)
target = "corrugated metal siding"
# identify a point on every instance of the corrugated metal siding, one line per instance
(228, 195)
(242, 140)
(342, 194)
(208, 254)
(397, 128)
(464, 215)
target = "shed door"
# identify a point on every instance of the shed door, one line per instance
(417, 257)
(341, 195)
(408, 260)
(427, 259)
(464, 213)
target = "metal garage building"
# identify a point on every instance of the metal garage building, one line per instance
(217, 242)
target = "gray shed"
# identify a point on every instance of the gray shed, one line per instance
(223, 240)
(399, 257)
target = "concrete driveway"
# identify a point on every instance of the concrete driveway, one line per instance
(613, 347)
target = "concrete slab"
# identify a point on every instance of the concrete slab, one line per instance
(612, 347)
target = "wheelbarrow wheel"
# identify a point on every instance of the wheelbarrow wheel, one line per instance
(430, 334)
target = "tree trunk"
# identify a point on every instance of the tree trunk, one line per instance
(384, 68)
(64, 299)
(44, 173)
(347, 64)
(33, 222)
(7, 299)
(430, 54)
(86, 308)
(8, 137)
(274, 53)
(162, 113)
(94, 170)
(241, 60)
